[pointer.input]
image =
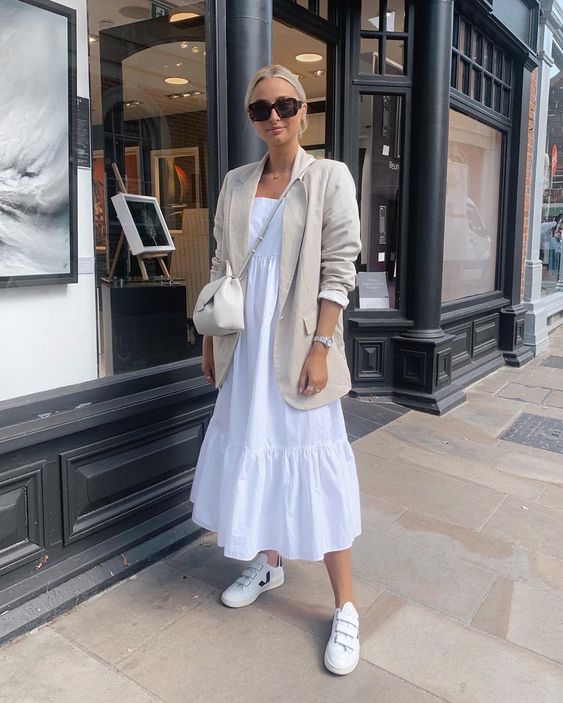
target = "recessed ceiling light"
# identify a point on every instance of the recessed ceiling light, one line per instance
(92, 38)
(195, 49)
(319, 72)
(179, 64)
(299, 76)
(309, 58)
(172, 80)
(184, 44)
(181, 15)
(133, 103)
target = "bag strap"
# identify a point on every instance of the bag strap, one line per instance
(270, 218)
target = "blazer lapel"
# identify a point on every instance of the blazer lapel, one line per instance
(243, 192)
(294, 218)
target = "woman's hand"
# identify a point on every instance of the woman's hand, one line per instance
(207, 360)
(314, 374)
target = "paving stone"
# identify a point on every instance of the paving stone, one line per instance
(491, 383)
(379, 443)
(362, 417)
(449, 585)
(552, 497)
(44, 667)
(534, 468)
(216, 654)
(473, 471)
(449, 424)
(442, 442)
(536, 431)
(450, 499)
(528, 524)
(530, 394)
(555, 400)
(525, 616)
(457, 663)
(137, 609)
(487, 420)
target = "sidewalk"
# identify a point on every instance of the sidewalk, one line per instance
(458, 577)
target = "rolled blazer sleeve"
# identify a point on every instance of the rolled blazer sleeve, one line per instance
(340, 244)
(217, 259)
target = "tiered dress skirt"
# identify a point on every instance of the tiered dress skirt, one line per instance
(270, 476)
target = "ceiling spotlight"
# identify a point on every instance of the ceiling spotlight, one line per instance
(181, 15)
(133, 103)
(309, 58)
(92, 38)
(195, 49)
(184, 44)
(179, 64)
(172, 80)
(319, 72)
(299, 76)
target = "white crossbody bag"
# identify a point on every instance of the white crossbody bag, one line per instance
(219, 309)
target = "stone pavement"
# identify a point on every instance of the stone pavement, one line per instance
(458, 577)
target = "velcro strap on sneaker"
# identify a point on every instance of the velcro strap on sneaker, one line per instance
(347, 627)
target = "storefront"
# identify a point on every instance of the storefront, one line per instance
(102, 402)
(544, 273)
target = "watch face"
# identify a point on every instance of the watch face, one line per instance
(329, 342)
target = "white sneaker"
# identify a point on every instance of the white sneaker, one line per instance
(259, 576)
(342, 652)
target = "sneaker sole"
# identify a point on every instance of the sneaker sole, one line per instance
(248, 601)
(341, 672)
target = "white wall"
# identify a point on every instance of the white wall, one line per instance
(48, 333)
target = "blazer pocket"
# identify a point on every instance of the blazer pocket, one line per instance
(310, 321)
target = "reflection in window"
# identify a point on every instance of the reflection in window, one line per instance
(149, 117)
(551, 242)
(472, 208)
(382, 43)
(312, 76)
(379, 195)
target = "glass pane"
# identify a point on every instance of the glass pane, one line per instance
(472, 207)
(369, 55)
(552, 209)
(323, 9)
(506, 102)
(507, 70)
(488, 55)
(379, 192)
(455, 38)
(149, 117)
(393, 21)
(289, 41)
(499, 63)
(395, 58)
(498, 97)
(488, 92)
(477, 82)
(477, 52)
(455, 61)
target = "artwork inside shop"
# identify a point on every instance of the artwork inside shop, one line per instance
(143, 224)
(176, 182)
(37, 179)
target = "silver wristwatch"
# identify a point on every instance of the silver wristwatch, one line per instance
(326, 341)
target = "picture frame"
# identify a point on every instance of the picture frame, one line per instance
(143, 224)
(176, 182)
(38, 221)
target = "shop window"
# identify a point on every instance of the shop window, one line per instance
(149, 118)
(287, 44)
(480, 70)
(551, 241)
(472, 208)
(383, 37)
(379, 186)
(318, 7)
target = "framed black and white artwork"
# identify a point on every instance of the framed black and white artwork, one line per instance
(38, 218)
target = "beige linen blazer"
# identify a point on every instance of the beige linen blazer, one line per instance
(321, 241)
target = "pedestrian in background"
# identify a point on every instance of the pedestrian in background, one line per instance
(276, 475)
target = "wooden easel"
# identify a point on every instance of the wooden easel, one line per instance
(140, 257)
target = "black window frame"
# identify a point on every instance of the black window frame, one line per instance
(377, 84)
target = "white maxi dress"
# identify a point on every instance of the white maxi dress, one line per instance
(270, 476)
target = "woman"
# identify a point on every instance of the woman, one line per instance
(276, 474)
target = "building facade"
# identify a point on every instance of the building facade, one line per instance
(103, 405)
(544, 275)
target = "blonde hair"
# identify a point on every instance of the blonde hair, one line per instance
(277, 71)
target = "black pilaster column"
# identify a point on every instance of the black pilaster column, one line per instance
(431, 103)
(249, 47)
(422, 374)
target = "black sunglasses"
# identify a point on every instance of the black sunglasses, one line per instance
(285, 107)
